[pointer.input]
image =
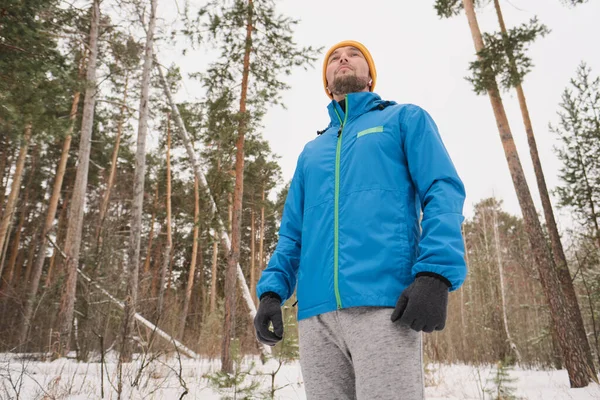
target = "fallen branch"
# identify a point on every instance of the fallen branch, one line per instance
(178, 345)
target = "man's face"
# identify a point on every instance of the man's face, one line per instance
(347, 71)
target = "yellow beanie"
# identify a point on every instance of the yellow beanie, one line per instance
(364, 52)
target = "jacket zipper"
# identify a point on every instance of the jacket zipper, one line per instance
(336, 244)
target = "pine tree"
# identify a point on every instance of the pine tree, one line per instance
(515, 66)
(579, 132)
(576, 360)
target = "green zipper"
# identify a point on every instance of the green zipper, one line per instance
(336, 243)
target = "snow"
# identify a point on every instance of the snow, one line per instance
(161, 379)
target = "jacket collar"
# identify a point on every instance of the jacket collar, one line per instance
(357, 104)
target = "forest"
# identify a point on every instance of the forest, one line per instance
(135, 222)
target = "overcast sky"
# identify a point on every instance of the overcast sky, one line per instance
(423, 60)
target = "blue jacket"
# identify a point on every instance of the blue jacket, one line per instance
(350, 234)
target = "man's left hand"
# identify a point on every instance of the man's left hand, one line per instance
(423, 305)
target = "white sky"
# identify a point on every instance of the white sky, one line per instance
(421, 59)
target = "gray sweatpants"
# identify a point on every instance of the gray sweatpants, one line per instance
(358, 353)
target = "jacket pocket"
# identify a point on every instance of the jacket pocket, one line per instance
(375, 129)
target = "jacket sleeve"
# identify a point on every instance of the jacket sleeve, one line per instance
(441, 194)
(282, 271)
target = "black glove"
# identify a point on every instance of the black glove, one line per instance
(269, 310)
(423, 305)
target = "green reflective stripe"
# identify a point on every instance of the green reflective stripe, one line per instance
(375, 129)
(336, 243)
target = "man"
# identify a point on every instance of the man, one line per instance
(352, 237)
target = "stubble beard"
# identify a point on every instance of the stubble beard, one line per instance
(348, 84)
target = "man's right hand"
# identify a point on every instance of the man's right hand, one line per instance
(269, 310)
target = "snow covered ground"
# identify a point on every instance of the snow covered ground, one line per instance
(166, 378)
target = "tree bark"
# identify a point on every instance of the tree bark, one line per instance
(566, 281)
(50, 215)
(213, 277)
(252, 253)
(3, 162)
(13, 196)
(60, 235)
(463, 326)
(151, 235)
(261, 244)
(138, 194)
(192, 271)
(12, 258)
(580, 374)
(509, 338)
(25, 208)
(74, 228)
(234, 254)
(30, 257)
(113, 167)
(169, 245)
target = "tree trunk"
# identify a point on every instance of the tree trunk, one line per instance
(25, 207)
(151, 235)
(463, 326)
(213, 277)
(225, 241)
(11, 202)
(566, 282)
(192, 272)
(60, 235)
(50, 215)
(168, 248)
(30, 257)
(261, 244)
(138, 195)
(3, 162)
(74, 229)
(511, 342)
(252, 254)
(12, 258)
(113, 167)
(229, 212)
(234, 254)
(580, 374)
(156, 269)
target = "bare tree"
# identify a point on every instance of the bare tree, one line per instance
(74, 228)
(169, 245)
(192, 271)
(498, 247)
(138, 193)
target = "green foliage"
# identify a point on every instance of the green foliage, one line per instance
(579, 133)
(273, 51)
(34, 76)
(235, 385)
(503, 383)
(450, 8)
(573, 3)
(503, 57)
